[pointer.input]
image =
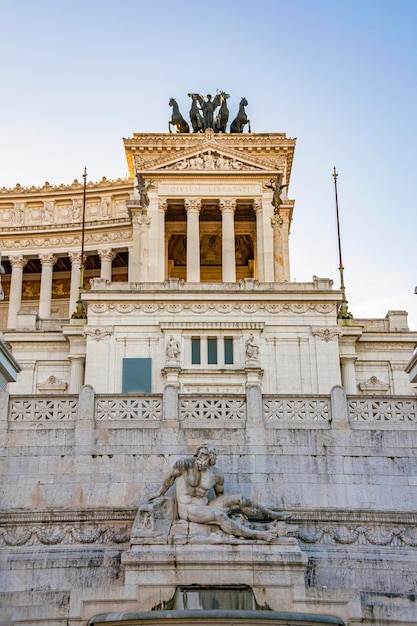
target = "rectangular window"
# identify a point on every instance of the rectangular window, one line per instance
(228, 351)
(137, 376)
(195, 350)
(212, 350)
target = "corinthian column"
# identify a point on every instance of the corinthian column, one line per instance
(193, 208)
(228, 208)
(48, 261)
(106, 258)
(15, 300)
(75, 280)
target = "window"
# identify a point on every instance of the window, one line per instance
(137, 375)
(195, 350)
(212, 350)
(228, 351)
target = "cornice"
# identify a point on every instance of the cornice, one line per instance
(75, 188)
(154, 146)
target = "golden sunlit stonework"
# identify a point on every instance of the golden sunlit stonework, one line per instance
(196, 338)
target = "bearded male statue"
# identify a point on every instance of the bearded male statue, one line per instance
(194, 477)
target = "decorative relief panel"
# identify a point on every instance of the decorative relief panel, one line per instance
(358, 534)
(219, 308)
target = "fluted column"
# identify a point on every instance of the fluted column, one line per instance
(48, 261)
(15, 299)
(228, 208)
(257, 207)
(193, 208)
(75, 280)
(349, 374)
(106, 258)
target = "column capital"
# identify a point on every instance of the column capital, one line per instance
(192, 205)
(257, 205)
(277, 221)
(163, 204)
(75, 257)
(106, 255)
(227, 205)
(18, 261)
(47, 259)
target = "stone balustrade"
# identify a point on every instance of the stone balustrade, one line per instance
(213, 412)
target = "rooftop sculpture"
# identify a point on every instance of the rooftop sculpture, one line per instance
(209, 112)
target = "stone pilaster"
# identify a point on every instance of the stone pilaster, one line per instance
(48, 261)
(280, 226)
(15, 299)
(139, 261)
(228, 208)
(76, 356)
(75, 258)
(106, 258)
(257, 207)
(193, 208)
(162, 247)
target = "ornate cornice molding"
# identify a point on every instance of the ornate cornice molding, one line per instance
(203, 307)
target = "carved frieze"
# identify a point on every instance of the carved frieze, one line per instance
(211, 307)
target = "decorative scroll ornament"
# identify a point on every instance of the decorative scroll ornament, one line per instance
(98, 334)
(326, 334)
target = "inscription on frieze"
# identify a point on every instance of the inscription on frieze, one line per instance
(254, 189)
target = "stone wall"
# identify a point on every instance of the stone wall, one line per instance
(74, 470)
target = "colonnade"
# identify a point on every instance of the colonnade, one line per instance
(48, 261)
(272, 260)
(270, 250)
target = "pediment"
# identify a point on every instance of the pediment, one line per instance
(209, 159)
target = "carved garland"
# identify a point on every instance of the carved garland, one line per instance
(219, 308)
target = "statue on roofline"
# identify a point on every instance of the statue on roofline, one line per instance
(143, 188)
(277, 190)
(203, 114)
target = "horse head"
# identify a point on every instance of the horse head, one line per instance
(172, 102)
(243, 102)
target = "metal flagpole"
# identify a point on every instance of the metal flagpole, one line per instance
(343, 311)
(80, 312)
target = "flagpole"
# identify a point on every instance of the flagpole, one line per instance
(343, 310)
(80, 312)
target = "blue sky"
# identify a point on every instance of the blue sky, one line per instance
(340, 76)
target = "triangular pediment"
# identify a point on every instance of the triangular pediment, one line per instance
(208, 159)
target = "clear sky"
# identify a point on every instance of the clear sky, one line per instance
(339, 75)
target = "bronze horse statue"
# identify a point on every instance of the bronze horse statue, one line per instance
(196, 118)
(177, 120)
(222, 117)
(241, 118)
